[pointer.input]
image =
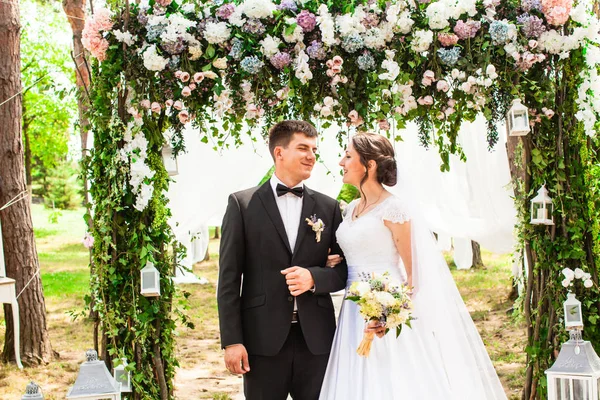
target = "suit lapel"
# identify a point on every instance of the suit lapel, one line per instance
(268, 199)
(308, 204)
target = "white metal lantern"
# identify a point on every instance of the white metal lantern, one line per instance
(123, 376)
(576, 372)
(573, 314)
(32, 392)
(150, 281)
(94, 381)
(517, 119)
(542, 208)
(170, 160)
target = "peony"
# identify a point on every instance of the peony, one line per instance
(220, 63)
(217, 32)
(270, 45)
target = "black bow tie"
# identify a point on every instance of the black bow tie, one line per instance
(283, 190)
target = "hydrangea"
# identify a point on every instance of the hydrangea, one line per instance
(449, 56)
(316, 50)
(281, 60)
(217, 32)
(557, 11)
(499, 32)
(365, 61)
(467, 30)
(437, 15)
(529, 5)
(154, 31)
(307, 20)
(237, 49)
(252, 64)
(152, 60)
(353, 43)
(258, 8)
(225, 11)
(174, 62)
(174, 47)
(531, 25)
(422, 40)
(254, 26)
(270, 45)
(288, 5)
(447, 39)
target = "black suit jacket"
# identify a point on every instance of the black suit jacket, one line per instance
(254, 250)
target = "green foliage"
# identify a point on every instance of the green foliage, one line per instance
(62, 189)
(348, 193)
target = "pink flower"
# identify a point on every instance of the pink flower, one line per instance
(533, 44)
(183, 116)
(449, 111)
(548, 112)
(101, 19)
(426, 82)
(466, 30)
(254, 111)
(198, 77)
(330, 73)
(155, 107)
(329, 63)
(447, 39)
(425, 101)
(184, 77)
(557, 11)
(442, 86)
(164, 3)
(384, 125)
(145, 103)
(169, 103)
(336, 69)
(178, 74)
(307, 21)
(337, 60)
(178, 105)
(88, 240)
(186, 91)
(355, 119)
(92, 38)
(451, 103)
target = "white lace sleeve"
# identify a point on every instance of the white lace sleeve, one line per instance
(394, 212)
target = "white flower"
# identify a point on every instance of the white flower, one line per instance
(217, 32)
(405, 23)
(490, 71)
(348, 24)
(296, 36)
(270, 45)
(437, 15)
(581, 13)
(152, 61)
(579, 273)
(195, 52)
(361, 288)
(177, 26)
(220, 63)
(237, 18)
(327, 25)
(566, 282)
(588, 283)
(392, 68)
(374, 39)
(124, 37)
(422, 40)
(568, 273)
(302, 68)
(384, 298)
(258, 8)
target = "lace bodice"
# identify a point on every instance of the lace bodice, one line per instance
(367, 243)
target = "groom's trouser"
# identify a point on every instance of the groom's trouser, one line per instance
(295, 370)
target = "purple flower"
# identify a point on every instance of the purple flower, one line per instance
(531, 25)
(254, 26)
(316, 50)
(528, 5)
(466, 30)
(288, 5)
(281, 60)
(370, 21)
(307, 20)
(225, 11)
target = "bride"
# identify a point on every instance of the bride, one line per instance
(442, 357)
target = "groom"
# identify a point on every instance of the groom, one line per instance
(276, 315)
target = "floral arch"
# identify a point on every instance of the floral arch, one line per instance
(227, 66)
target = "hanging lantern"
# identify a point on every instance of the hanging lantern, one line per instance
(573, 315)
(517, 119)
(123, 376)
(94, 381)
(150, 280)
(32, 392)
(575, 374)
(542, 208)
(169, 160)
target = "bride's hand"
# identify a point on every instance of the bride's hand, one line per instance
(333, 260)
(375, 327)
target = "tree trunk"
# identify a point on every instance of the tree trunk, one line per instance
(477, 261)
(28, 177)
(217, 232)
(17, 228)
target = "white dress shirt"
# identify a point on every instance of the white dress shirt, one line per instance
(290, 209)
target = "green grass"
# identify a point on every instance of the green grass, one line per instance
(64, 284)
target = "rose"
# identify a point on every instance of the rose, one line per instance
(186, 91)
(192, 86)
(145, 103)
(184, 77)
(183, 116)
(155, 107)
(442, 86)
(425, 101)
(337, 60)
(198, 77)
(384, 125)
(178, 105)
(169, 103)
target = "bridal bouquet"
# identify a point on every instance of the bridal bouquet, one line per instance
(381, 299)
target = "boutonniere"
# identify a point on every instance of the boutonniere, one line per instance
(317, 226)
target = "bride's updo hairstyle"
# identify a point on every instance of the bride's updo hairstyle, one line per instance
(371, 146)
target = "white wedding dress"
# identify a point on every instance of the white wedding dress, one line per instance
(441, 357)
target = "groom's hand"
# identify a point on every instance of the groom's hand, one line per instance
(299, 280)
(236, 359)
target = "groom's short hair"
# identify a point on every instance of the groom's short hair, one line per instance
(281, 134)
